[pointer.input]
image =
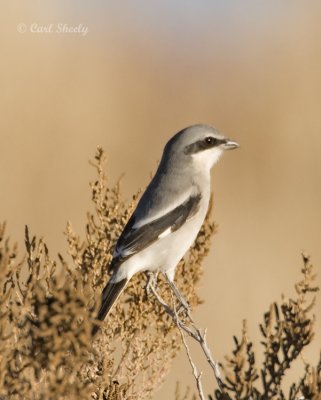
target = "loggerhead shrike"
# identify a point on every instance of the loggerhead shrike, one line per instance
(170, 213)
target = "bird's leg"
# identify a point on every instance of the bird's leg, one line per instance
(152, 280)
(180, 298)
(151, 288)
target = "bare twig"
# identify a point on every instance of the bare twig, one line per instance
(194, 332)
(197, 375)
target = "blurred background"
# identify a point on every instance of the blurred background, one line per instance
(134, 74)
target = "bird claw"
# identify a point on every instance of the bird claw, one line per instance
(151, 280)
(183, 308)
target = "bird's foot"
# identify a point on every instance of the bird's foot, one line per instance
(151, 282)
(183, 308)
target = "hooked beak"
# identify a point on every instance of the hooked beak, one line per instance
(230, 145)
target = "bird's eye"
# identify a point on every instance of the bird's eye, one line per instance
(209, 140)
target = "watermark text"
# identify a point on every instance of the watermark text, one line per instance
(59, 28)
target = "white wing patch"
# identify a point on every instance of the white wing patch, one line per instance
(165, 233)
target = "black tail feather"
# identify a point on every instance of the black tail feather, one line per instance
(110, 294)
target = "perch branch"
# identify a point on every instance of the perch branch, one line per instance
(194, 332)
(197, 375)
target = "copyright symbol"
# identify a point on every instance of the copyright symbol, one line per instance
(21, 28)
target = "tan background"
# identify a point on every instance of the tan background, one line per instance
(143, 71)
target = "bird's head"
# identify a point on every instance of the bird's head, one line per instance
(200, 144)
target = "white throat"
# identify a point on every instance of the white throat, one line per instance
(207, 158)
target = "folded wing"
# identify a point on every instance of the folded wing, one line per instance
(133, 240)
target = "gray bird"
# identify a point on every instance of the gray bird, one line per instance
(170, 213)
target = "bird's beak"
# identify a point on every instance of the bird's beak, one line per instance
(230, 145)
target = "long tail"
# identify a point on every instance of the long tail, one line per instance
(110, 294)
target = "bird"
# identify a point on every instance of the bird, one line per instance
(170, 212)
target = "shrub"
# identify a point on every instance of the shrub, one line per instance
(47, 308)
